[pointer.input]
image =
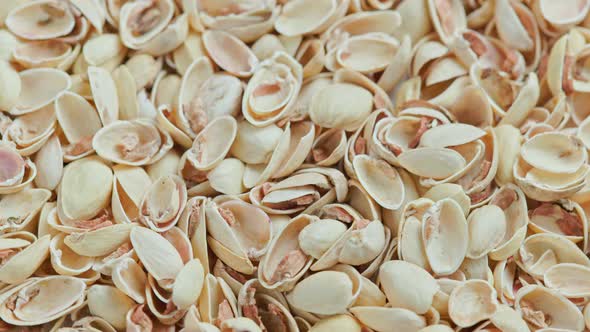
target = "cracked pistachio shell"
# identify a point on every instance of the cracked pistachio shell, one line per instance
(337, 287)
(159, 257)
(407, 286)
(344, 323)
(487, 229)
(55, 297)
(317, 237)
(471, 302)
(188, 284)
(385, 319)
(555, 152)
(109, 303)
(534, 299)
(445, 236)
(23, 264)
(341, 105)
(99, 242)
(381, 181)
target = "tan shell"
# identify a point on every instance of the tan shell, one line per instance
(370, 172)
(99, 242)
(54, 296)
(285, 263)
(27, 257)
(298, 17)
(487, 229)
(129, 186)
(512, 201)
(65, 261)
(537, 303)
(18, 211)
(407, 286)
(342, 105)
(159, 257)
(137, 27)
(272, 91)
(545, 151)
(84, 191)
(24, 20)
(384, 319)
(136, 142)
(239, 233)
(31, 98)
(240, 61)
(567, 279)
(109, 303)
(163, 203)
(540, 252)
(338, 287)
(129, 277)
(104, 93)
(472, 302)
(79, 122)
(30, 131)
(212, 144)
(445, 232)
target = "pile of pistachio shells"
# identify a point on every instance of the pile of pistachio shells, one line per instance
(294, 165)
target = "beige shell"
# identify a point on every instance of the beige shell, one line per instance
(540, 252)
(384, 319)
(24, 20)
(141, 22)
(213, 143)
(32, 98)
(109, 303)
(217, 303)
(84, 191)
(129, 277)
(371, 172)
(487, 229)
(272, 91)
(298, 17)
(135, 142)
(18, 211)
(99, 242)
(41, 300)
(239, 233)
(553, 152)
(567, 279)
(407, 286)
(163, 203)
(512, 201)
(538, 303)
(240, 62)
(159, 257)
(445, 233)
(285, 262)
(104, 93)
(65, 261)
(24, 257)
(30, 131)
(79, 122)
(129, 186)
(341, 105)
(337, 286)
(472, 302)
(17, 171)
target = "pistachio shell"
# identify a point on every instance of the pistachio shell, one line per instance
(342, 105)
(407, 286)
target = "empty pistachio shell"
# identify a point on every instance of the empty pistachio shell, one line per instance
(109, 303)
(487, 228)
(472, 302)
(343, 323)
(407, 286)
(342, 105)
(337, 287)
(444, 232)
